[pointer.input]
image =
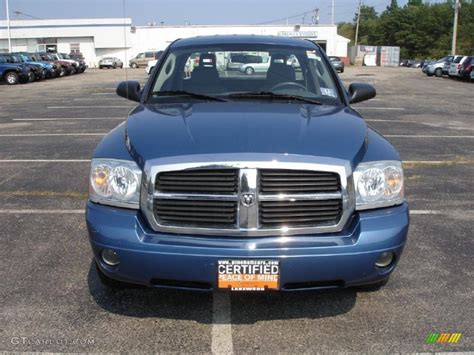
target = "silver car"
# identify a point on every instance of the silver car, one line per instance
(252, 68)
(110, 62)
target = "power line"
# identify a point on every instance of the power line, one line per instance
(18, 13)
(302, 15)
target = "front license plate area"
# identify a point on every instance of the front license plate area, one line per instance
(248, 275)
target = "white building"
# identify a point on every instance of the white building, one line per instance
(97, 38)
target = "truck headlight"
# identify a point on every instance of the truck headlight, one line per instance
(378, 184)
(115, 182)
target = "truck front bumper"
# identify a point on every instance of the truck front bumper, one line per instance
(306, 262)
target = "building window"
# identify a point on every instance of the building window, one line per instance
(75, 48)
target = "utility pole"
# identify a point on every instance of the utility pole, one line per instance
(455, 27)
(357, 26)
(8, 28)
(332, 12)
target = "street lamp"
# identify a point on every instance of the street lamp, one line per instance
(8, 28)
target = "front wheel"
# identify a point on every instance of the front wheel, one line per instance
(134, 66)
(62, 72)
(31, 76)
(12, 78)
(249, 71)
(438, 72)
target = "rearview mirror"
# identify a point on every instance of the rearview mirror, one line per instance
(129, 90)
(359, 92)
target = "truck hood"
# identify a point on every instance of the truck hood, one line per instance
(159, 131)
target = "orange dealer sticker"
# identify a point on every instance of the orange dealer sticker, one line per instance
(248, 275)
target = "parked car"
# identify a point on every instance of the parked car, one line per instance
(455, 66)
(13, 73)
(48, 69)
(437, 68)
(236, 60)
(56, 67)
(142, 59)
(407, 63)
(250, 183)
(79, 58)
(152, 63)
(110, 62)
(252, 68)
(337, 64)
(447, 65)
(65, 66)
(466, 68)
(34, 72)
(79, 65)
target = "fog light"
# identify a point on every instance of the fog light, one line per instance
(385, 259)
(110, 257)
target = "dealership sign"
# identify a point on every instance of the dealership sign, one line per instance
(303, 34)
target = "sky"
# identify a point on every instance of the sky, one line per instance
(198, 12)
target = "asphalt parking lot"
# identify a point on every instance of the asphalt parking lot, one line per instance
(51, 299)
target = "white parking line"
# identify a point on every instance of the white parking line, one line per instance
(42, 211)
(68, 118)
(380, 108)
(382, 120)
(45, 161)
(424, 212)
(92, 106)
(52, 134)
(221, 324)
(422, 136)
(95, 98)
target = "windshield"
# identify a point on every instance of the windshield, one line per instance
(264, 71)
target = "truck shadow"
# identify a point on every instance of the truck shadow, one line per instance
(246, 308)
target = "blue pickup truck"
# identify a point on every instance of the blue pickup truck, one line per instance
(13, 73)
(224, 181)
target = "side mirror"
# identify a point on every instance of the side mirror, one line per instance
(129, 90)
(361, 92)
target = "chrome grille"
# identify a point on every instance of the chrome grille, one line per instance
(269, 196)
(298, 181)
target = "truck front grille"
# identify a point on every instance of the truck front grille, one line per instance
(299, 213)
(245, 199)
(222, 181)
(298, 181)
(197, 213)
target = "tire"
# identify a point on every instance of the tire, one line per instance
(114, 66)
(249, 71)
(31, 76)
(62, 72)
(428, 74)
(438, 72)
(342, 70)
(101, 67)
(121, 66)
(12, 78)
(134, 65)
(374, 286)
(111, 283)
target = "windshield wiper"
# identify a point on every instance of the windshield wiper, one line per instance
(188, 94)
(271, 95)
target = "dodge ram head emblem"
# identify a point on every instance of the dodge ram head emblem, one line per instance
(248, 199)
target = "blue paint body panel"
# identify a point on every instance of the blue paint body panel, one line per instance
(348, 256)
